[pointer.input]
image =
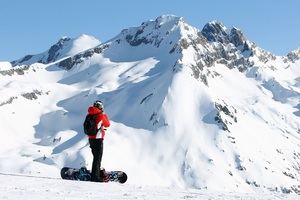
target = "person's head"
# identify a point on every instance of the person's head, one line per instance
(98, 104)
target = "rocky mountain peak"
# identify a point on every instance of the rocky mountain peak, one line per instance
(236, 37)
(65, 46)
(165, 31)
(53, 51)
(215, 32)
(294, 55)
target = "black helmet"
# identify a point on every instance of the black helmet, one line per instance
(98, 104)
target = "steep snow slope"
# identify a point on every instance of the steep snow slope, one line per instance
(203, 109)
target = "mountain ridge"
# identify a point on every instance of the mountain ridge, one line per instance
(64, 47)
(213, 31)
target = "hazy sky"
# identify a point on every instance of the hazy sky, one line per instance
(32, 26)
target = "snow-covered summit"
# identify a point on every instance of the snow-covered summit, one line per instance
(64, 47)
(153, 31)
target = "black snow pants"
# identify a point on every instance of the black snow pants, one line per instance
(97, 150)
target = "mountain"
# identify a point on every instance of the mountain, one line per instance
(64, 47)
(205, 109)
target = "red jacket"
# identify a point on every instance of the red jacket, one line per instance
(101, 120)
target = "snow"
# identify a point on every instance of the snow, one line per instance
(225, 130)
(83, 42)
(5, 65)
(63, 48)
(30, 187)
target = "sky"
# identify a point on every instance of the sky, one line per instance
(32, 26)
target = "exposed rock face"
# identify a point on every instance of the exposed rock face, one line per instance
(294, 55)
(32, 95)
(215, 32)
(70, 62)
(237, 38)
(220, 47)
(53, 51)
(225, 115)
(19, 71)
(63, 48)
(50, 56)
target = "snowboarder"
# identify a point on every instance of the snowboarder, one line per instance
(96, 141)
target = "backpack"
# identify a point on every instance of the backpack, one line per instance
(90, 126)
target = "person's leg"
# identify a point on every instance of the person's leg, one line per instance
(97, 151)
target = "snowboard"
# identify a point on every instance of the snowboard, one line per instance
(82, 174)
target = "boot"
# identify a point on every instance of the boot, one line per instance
(103, 175)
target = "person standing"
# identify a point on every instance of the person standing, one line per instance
(96, 140)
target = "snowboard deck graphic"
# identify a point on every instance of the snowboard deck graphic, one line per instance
(82, 174)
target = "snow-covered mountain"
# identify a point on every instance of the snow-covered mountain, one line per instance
(206, 109)
(64, 47)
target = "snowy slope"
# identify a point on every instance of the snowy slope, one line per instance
(5, 66)
(28, 187)
(204, 109)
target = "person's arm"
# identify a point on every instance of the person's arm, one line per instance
(105, 121)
